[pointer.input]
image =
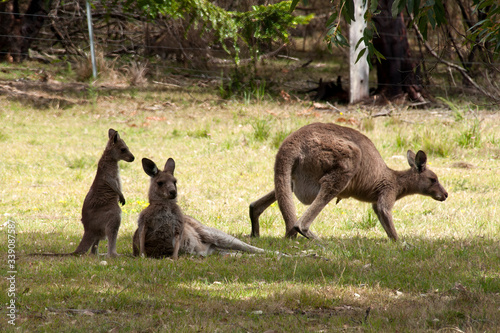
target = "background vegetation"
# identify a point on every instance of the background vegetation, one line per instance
(234, 41)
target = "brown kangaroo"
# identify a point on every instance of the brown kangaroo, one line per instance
(164, 231)
(320, 161)
(101, 214)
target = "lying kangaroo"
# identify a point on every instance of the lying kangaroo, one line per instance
(101, 214)
(319, 162)
(164, 231)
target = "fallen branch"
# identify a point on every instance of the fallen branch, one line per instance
(80, 311)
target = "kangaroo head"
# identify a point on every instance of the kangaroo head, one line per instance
(163, 184)
(117, 148)
(426, 181)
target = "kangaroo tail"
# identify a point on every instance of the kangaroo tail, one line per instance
(52, 254)
(283, 185)
(222, 240)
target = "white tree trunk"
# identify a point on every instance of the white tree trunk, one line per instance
(358, 71)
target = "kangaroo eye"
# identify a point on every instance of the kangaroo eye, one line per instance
(434, 180)
(123, 150)
(160, 183)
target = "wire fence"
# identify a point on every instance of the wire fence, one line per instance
(169, 48)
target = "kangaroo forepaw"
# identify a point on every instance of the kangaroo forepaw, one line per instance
(305, 232)
(310, 235)
(302, 232)
(292, 233)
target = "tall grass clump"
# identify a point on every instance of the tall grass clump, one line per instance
(458, 114)
(136, 73)
(80, 162)
(256, 91)
(199, 133)
(261, 129)
(105, 67)
(279, 136)
(369, 221)
(3, 136)
(471, 136)
(367, 124)
(435, 144)
(240, 84)
(402, 142)
(430, 141)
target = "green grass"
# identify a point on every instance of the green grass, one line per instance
(442, 276)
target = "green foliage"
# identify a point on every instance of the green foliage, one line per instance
(261, 24)
(425, 13)
(267, 23)
(487, 31)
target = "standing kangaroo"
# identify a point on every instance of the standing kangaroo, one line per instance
(164, 231)
(101, 214)
(320, 161)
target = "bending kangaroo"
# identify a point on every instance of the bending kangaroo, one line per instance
(320, 161)
(164, 231)
(101, 214)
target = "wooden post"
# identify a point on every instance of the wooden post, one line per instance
(359, 71)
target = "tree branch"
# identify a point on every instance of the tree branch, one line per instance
(462, 70)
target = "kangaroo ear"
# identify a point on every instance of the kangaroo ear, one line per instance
(411, 159)
(421, 160)
(170, 166)
(112, 134)
(149, 167)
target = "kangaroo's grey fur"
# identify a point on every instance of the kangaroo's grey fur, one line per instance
(164, 231)
(320, 161)
(101, 214)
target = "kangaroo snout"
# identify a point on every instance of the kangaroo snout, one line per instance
(437, 192)
(129, 158)
(442, 196)
(172, 194)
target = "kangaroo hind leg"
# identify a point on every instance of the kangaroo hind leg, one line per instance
(220, 240)
(258, 207)
(112, 235)
(95, 247)
(331, 185)
(86, 243)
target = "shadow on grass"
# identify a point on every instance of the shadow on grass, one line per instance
(413, 264)
(415, 283)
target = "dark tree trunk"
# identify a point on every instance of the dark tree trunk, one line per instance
(396, 74)
(7, 24)
(17, 31)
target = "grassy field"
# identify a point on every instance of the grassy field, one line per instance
(444, 274)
